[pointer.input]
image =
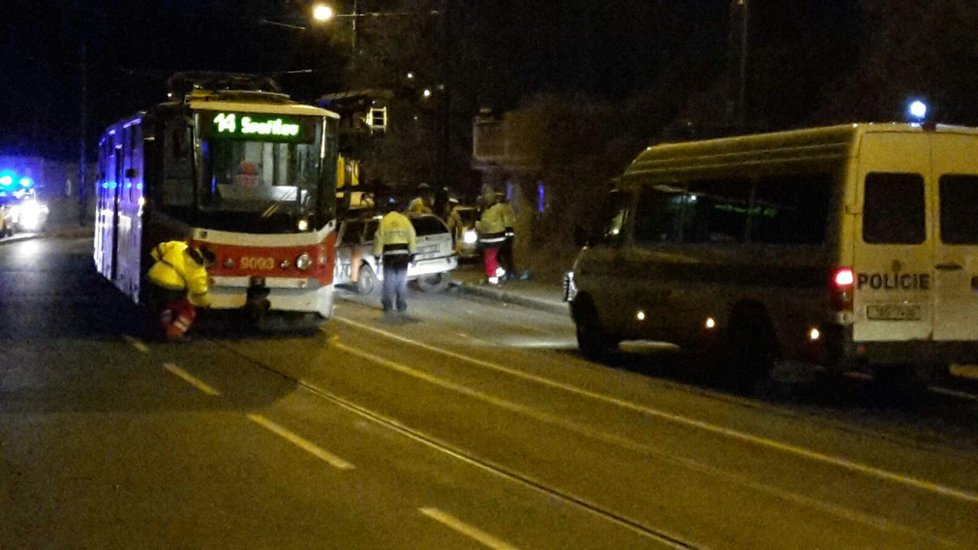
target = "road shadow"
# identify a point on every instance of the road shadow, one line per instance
(913, 411)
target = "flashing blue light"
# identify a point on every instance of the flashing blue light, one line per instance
(26, 182)
(6, 180)
(917, 110)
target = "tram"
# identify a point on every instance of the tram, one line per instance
(231, 164)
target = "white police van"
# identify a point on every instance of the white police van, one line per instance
(851, 247)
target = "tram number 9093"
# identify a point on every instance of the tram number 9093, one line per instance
(250, 262)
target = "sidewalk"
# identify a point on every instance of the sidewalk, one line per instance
(538, 295)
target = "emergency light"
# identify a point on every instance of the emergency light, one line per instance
(917, 110)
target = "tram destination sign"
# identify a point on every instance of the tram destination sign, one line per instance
(257, 127)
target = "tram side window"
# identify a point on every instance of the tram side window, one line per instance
(959, 208)
(791, 209)
(893, 208)
(716, 211)
(659, 215)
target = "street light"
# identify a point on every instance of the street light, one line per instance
(322, 13)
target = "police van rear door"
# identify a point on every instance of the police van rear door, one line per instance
(955, 171)
(893, 250)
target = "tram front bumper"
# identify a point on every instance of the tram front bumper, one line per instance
(276, 294)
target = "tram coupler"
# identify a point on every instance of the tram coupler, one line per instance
(257, 304)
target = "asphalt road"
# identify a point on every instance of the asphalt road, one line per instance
(469, 424)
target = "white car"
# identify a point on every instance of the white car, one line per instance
(356, 265)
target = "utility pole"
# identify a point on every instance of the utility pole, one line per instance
(443, 126)
(744, 13)
(83, 131)
(356, 13)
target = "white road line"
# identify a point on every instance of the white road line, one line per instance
(191, 379)
(136, 343)
(472, 532)
(851, 515)
(925, 485)
(953, 393)
(301, 442)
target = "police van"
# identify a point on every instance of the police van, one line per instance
(853, 247)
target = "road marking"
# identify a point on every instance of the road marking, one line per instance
(191, 379)
(699, 424)
(953, 393)
(301, 442)
(612, 439)
(964, 371)
(136, 343)
(472, 532)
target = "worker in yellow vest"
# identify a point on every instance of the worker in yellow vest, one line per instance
(179, 284)
(395, 246)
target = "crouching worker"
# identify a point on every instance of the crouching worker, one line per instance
(178, 286)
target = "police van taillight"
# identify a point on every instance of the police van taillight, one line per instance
(841, 289)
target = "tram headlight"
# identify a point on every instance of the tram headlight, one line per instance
(303, 262)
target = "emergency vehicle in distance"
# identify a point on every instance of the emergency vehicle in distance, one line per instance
(243, 170)
(853, 247)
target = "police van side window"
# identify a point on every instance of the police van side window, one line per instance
(791, 209)
(959, 209)
(659, 214)
(893, 208)
(716, 211)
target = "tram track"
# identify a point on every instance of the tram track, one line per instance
(604, 511)
(608, 511)
(659, 535)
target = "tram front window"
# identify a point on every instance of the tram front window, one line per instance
(260, 187)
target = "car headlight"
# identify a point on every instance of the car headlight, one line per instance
(470, 236)
(303, 262)
(29, 215)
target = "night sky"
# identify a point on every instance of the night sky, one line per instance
(608, 49)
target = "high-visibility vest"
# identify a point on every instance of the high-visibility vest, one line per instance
(177, 269)
(492, 225)
(395, 235)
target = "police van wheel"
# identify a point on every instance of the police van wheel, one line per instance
(434, 283)
(367, 280)
(593, 341)
(748, 348)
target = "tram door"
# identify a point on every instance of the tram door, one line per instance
(116, 191)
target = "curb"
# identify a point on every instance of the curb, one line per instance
(559, 308)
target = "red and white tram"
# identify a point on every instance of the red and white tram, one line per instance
(243, 171)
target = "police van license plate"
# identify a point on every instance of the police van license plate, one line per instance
(893, 312)
(428, 249)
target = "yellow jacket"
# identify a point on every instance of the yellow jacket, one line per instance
(395, 235)
(492, 225)
(176, 269)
